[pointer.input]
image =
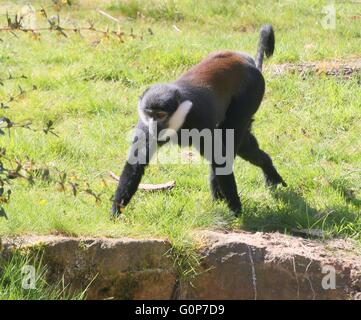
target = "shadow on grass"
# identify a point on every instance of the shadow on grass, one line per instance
(348, 194)
(293, 213)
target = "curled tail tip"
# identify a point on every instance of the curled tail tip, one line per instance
(266, 44)
(268, 38)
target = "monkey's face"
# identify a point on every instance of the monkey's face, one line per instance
(158, 103)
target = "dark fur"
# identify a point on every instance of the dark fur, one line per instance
(226, 89)
(266, 44)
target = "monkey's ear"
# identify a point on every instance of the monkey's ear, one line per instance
(143, 94)
(177, 96)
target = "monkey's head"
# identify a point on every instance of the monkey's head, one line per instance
(158, 103)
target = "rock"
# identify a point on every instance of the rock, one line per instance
(116, 268)
(273, 266)
(236, 265)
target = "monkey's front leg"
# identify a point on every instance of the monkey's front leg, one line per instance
(141, 151)
(127, 186)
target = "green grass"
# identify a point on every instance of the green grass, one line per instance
(15, 273)
(310, 126)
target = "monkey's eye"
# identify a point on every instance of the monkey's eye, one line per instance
(156, 115)
(159, 115)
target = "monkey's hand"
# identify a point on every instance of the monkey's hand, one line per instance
(128, 184)
(274, 179)
(117, 209)
(121, 199)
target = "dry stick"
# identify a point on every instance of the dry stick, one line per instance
(147, 186)
(176, 28)
(52, 29)
(111, 17)
(16, 26)
(108, 16)
(62, 31)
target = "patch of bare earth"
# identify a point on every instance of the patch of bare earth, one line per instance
(344, 68)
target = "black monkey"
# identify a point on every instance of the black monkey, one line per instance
(222, 92)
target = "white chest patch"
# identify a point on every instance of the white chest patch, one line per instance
(178, 117)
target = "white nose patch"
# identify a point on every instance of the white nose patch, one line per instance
(178, 117)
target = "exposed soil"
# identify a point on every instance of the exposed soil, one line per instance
(344, 68)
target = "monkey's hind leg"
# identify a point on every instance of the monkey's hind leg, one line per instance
(223, 183)
(249, 150)
(227, 189)
(215, 189)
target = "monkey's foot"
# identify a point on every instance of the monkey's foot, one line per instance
(236, 209)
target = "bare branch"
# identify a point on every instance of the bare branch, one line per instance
(148, 186)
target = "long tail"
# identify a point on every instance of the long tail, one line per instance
(266, 44)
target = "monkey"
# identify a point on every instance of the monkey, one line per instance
(222, 92)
